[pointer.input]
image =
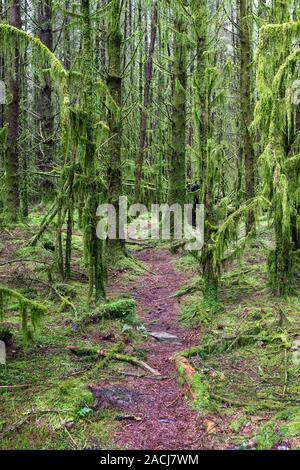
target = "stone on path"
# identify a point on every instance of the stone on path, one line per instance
(296, 352)
(162, 336)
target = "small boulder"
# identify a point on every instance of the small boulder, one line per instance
(162, 336)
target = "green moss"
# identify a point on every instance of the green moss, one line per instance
(187, 262)
(194, 312)
(237, 423)
(70, 397)
(123, 309)
(37, 311)
(128, 263)
(202, 401)
(275, 119)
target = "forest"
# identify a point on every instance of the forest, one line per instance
(149, 225)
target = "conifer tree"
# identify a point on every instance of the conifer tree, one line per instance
(148, 73)
(177, 165)
(13, 120)
(45, 112)
(245, 12)
(114, 118)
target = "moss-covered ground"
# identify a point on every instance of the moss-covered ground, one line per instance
(45, 402)
(247, 381)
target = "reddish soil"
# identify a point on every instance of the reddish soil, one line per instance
(161, 399)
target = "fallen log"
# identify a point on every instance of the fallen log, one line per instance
(186, 371)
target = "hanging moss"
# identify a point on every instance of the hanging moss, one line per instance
(78, 142)
(275, 119)
(37, 311)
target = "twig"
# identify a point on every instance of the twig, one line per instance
(3, 387)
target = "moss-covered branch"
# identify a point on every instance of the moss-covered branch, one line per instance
(37, 311)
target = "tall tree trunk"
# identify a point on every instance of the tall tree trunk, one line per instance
(12, 117)
(66, 39)
(246, 105)
(94, 246)
(203, 132)
(44, 102)
(177, 170)
(114, 84)
(148, 72)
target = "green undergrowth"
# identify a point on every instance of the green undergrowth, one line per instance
(246, 379)
(45, 400)
(186, 262)
(130, 264)
(193, 312)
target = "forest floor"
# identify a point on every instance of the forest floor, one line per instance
(246, 388)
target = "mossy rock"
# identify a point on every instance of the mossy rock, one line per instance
(123, 309)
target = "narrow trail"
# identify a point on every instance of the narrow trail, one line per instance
(165, 399)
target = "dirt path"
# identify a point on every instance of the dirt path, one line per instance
(165, 399)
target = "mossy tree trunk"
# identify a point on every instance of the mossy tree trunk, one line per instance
(26, 148)
(245, 11)
(94, 246)
(148, 72)
(177, 165)
(70, 201)
(67, 39)
(278, 123)
(45, 110)
(203, 133)
(282, 260)
(114, 84)
(12, 118)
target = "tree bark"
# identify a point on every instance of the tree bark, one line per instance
(12, 117)
(148, 73)
(177, 170)
(44, 101)
(246, 105)
(114, 84)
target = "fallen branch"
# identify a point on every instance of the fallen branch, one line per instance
(118, 357)
(65, 301)
(132, 241)
(187, 372)
(3, 387)
(44, 225)
(12, 261)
